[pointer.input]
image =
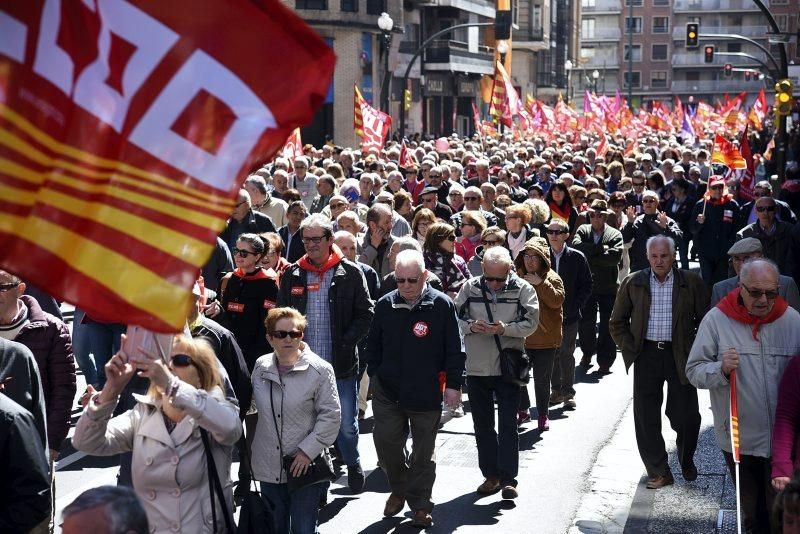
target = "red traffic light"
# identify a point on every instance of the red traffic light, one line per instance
(747, 75)
(708, 50)
(728, 70)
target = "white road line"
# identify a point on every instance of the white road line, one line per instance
(69, 460)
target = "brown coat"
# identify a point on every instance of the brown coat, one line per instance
(550, 293)
(628, 324)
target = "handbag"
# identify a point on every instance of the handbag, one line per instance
(515, 366)
(319, 471)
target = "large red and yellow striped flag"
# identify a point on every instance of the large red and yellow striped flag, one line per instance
(125, 130)
(358, 116)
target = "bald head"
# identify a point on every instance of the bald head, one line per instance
(347, 243)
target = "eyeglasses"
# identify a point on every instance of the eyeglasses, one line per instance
(454, 195)
(718, 186)
(242, 253)
(406, 280)
(436, 175)
(638, 184)
(315, 240)
(430, 200)
(557, 232)
(742, 259)
(649, 201)
(8, 286)
(530, 257)
(513, 217)
(470, 199)
(495, 279)
(281, 334)
(762, 209)
(491, 242)
(181, 360)
(771, 294)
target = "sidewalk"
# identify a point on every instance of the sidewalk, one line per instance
(618, 502)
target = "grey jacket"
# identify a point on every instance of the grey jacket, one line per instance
(516, 306)
(761, 365)
(306, 408)
(786, 287)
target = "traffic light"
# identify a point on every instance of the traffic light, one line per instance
(502, 24)
(709, 53)
(783, 97)
(407, 99)
(728, 70)
(747, 75)
(692, 35)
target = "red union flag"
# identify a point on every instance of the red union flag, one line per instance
(293, 146)
(125, 130)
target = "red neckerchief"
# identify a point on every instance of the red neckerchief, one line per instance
(258, 274)
(333, 260)
(733, 308)
(562, 211)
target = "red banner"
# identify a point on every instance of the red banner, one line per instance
(371, 124)
(126, 128)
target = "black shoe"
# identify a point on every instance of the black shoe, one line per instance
(689, 472)
(355, 478)
(586, 362)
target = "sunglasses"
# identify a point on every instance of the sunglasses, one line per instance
(436, 175)
(719, 187)
(281, 334)
(242, 253)
(8, 286)
(557, 232)
(638, 184)
(181, 360)
(771, 294)
(470, 199)
(307, 240)
(406, 280)
(495, 279)
(491, 242)
(762, 209)
(649, 201)
(450, 238)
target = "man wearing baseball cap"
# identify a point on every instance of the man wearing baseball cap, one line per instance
(741, 251)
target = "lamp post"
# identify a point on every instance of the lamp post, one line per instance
(595, 77)
(385, 23)
(568, 69)
(502, 50)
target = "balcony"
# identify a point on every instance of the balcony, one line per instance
(603, 6)
(696, 6)
(454, 56)
(697, 59)
(530, 39)
(746, 31)
(732, 85)
(602, 34)
(607, 60)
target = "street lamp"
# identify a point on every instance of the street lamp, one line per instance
(502, 50)
(568, 69)
(595, 76)
(385, 23)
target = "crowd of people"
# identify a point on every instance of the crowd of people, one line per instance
(401, 280)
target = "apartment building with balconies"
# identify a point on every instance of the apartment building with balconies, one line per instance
(530, 37)
(600, 47)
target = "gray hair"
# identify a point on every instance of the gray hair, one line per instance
(756, 264)
(649, 193)
(410, 257)
(406, 243)
(661, 239)
(497, 256)
(257, 182)
(317, 220)
(349, 215)
(123, 511)
(376, 211)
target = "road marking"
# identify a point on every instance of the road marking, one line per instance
(69, 460)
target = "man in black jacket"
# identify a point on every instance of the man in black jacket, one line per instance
(25, 492)
(332, 293)
(245, 221)
(20, 381)
(640, 228)
(572, 267)
(413, 341)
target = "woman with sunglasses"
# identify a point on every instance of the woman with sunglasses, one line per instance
(169, 468)
(441, 259)
(493, 236)
(298, 418)
(533, 265)
(713, 226)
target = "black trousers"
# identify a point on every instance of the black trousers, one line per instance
(757, 493)
(542, 363)
(599, 343)
(653, 367)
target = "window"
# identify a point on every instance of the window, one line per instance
(661, 3)
(350, 6)
(587, 4)
(536, 16)
(376, 7)
(783, 22)
(633, 79)
(633, 2)
(660, 24)
(658, 79)
(587, 54)
(587, 28)
(692, 76)
(734, 47)
(311, 4)
(633, 24)
(659, 52)
(637, 53)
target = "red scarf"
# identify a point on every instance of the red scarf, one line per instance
(562, 211)
(733, 308)
(258, 274)
(333, 260)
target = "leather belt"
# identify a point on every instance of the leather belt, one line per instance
(660, 345)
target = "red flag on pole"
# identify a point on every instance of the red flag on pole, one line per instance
(293, 146)
(726, 153)
(371, 125)
(746, 182)
(127, 129)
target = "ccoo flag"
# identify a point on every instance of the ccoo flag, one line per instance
(125, 130)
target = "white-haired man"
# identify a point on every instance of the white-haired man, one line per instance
(498, 309)
(754, 332)
(414, 339)
(654, 321)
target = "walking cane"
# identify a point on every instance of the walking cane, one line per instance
(734, 409)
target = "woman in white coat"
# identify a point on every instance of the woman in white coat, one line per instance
(170, 474)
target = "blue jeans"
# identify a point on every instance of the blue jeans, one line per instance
(498, 451)
(294, 513)
(104, 342)
(347, 440)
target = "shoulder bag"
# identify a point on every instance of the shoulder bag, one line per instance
(515, 365)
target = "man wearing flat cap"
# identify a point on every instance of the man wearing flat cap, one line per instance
(741, 251)
(602, 246)
(429, 198)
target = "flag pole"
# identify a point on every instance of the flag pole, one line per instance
(734, 426)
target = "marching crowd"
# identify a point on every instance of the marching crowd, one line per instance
(405, 279)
